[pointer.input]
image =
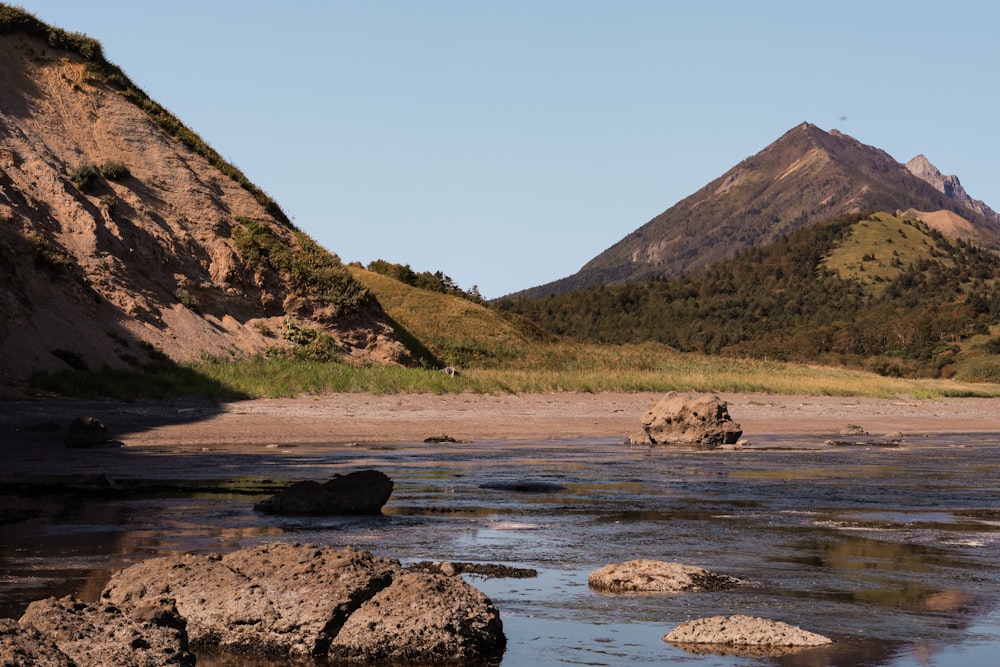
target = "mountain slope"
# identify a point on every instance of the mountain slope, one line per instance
(124, 238)
(806, 176)
(879, 291)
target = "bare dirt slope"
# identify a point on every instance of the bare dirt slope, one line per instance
(146, 262)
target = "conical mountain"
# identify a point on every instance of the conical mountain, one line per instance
(806, 176)
(124, 238)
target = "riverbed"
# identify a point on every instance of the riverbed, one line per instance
(890, 547)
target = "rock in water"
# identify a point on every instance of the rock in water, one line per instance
(653, 576)
(697, 420)
(151, 634)
(426, 617)
(282, 599)
(362, 492)
(302, 600)
(739, 630)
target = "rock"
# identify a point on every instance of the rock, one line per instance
(301, 600)
(86, 432)
(699, 420)
(25, 645)
(853, 429)
(743, 631)
(150, 635)
(653, 576)
(284, 599)
(440, 439)
(487, 570)
(422, 617)
(362, 492)
(526, 486)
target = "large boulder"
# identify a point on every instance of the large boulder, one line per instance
(285, 599)
(746, 632)
(150, 635)
(361, 492)
(422, 617)
(644, 575)
(299, 600)
(697, 420)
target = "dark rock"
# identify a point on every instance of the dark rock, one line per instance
(524, 487)
(362, 492)
(152, 635)
(86, 432)
(440, 439)
(487, 570)
(698, 420)
(422, 617)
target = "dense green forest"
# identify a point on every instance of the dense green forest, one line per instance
(905, 305)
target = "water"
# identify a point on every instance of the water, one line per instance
(892, 551)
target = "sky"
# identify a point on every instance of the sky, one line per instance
(508, 143)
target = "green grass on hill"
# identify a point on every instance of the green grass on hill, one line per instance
(457, 331)
(877, 250)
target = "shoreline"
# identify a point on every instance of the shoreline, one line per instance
(370, 418)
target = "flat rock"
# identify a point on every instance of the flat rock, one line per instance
(422, 617)
(644, 575)
(743, 631)
(150, 635)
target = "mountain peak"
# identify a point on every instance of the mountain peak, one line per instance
(806, 176)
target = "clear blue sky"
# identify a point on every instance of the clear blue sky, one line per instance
(507, 143)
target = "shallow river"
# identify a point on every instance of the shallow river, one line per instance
(892, 551)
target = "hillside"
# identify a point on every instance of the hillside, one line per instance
(804, 177)
(124, 238)
(875, 291)
(456, 331)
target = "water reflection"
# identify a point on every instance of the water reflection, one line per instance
(891, 551)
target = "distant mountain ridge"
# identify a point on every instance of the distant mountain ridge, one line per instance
(806, 176)
(922, 168)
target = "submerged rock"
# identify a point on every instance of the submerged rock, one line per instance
(698, 420)
(644, 575)
(525, 486)
(361, 492)
(753, 633)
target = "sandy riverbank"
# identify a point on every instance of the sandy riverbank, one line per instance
(409, 417)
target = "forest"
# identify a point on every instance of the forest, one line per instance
(897, 313)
